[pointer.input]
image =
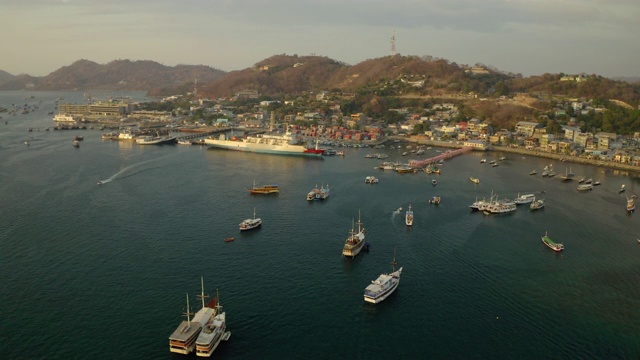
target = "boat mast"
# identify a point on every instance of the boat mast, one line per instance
(359, 222)
(393, 263)
(254, 213)
(202, 295)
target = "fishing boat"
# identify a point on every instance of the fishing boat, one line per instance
(551, 244)
(482, 161)
(536, 204)
(75, 143)
(318, 193)
(533, 172)
(282, 144)
(384, 285)
(435, 200)
(229, 239)
(248, 224)
(408, 216)
(214, 331)
(474, 180)
(264, 189)
(355, 240)
(183, 339)
(631, 204)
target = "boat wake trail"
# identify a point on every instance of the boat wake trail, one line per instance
(128, 172)
(396, 212)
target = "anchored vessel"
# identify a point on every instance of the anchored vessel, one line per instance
(551, 244)
(248, 224)
(284, 144)
(384, 285)
(264, 189)
(183, 339)
(355, 241)
(318, 194)
(213, 331)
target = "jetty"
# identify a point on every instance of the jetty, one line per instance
(445, 155)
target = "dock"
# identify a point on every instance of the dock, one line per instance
(445, 155)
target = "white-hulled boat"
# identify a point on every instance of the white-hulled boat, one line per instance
(213, 331)
(408, 216)
(183, 339)
(524, 199)
(355, 241)
(474, 180)
(585, 187)
(384, 285)
(631, 204)
(284, 144)
(248, 224)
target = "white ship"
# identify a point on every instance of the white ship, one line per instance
(64, 118)
(355, 241)
(383, 286)
(248, 224)
(213, 331)
(284, 144)
(183, 339)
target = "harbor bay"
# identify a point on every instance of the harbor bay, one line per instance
(102, 271)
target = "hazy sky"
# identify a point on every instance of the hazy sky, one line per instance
(531, 37)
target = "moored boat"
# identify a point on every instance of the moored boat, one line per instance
(248, 224)
(537, 204)
(355, 240)
(551, 244)
(183, 339)
(283, 144)
(318, 193)
(384, 285)
(371, 180)
(524, 199)
(264, 189)
(585, 187)
(631, 204)
(213, 332)
(435, 200)
(474, 180)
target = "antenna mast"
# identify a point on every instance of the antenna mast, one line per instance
(393, 43)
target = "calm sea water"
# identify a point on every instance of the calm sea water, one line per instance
(101, 272)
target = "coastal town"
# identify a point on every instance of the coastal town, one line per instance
(441, 124)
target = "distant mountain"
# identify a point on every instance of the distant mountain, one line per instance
(5, 76)
(116, 75)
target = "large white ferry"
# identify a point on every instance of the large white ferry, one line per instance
(284, 144)
(183, 339)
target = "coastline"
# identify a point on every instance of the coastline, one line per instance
(632, 170)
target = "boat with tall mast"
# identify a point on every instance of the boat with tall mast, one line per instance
(213, 331)
(248, 224)
(355, 241)
(183, 339)
(384, 285)
(264, 189)
(408, 216)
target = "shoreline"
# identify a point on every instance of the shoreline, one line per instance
(632, 170)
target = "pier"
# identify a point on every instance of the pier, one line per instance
(445, 155)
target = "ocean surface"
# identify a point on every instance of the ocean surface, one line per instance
(101, 272)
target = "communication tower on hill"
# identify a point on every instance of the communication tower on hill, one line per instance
(393, 43)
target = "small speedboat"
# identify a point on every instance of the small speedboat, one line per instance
(100, 182)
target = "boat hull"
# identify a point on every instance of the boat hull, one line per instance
(285, 149)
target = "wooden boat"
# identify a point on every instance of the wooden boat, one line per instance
(229, 239)
(264, 189)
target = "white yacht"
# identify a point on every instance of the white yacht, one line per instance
(383, 286)
(408, 217)
(212, 332)
(183, 339)
(524, 199)
(355, 241)
(248, 224)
